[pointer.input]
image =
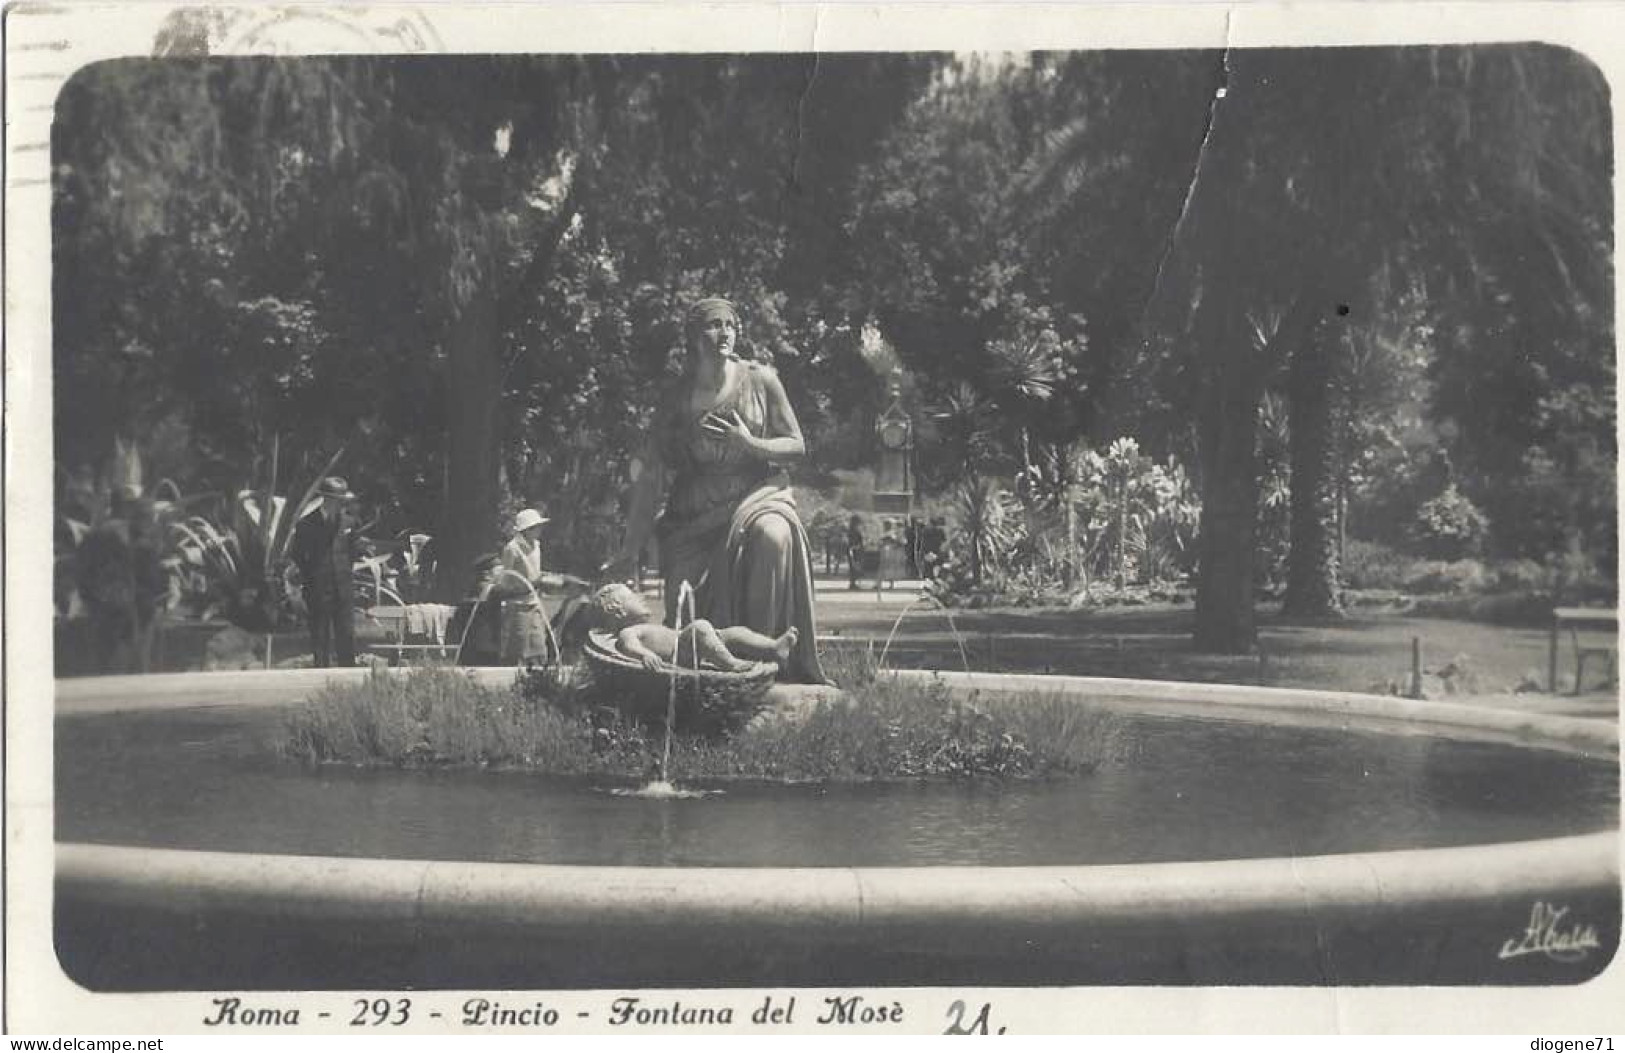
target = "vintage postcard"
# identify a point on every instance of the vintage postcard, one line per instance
(811, 518)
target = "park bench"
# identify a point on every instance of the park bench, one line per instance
(1576, 620)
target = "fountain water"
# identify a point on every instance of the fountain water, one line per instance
(462, 641)
(921, 600)
(663, 787)
(552, 638)
(685, 592)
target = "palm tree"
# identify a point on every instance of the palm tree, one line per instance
(987, 522)
(1482, 169)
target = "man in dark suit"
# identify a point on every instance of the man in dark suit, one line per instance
(323, 550)
(933, 540)
(854, 550)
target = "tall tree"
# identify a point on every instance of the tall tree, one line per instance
(1455, 163)
(381, 176)
(479, 262)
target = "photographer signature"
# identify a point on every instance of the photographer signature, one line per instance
(1545, 935)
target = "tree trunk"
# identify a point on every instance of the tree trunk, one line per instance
(1073, 557)
(473, 391)
(1231, 377)
(1312, 562)
(1342, 514)
(474, 367)
(1224, 586)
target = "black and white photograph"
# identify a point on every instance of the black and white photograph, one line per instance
(560, 527)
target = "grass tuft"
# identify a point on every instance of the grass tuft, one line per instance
(882, 728)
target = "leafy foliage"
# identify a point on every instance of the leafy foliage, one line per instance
(1450, 527)
(1089, 520)
(465, 270)
(470, 274)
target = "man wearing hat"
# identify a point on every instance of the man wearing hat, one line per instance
(323, 551)
(524, 621)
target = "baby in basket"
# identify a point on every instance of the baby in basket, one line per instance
(624, 612)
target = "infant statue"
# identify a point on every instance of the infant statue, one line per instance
(622, 611)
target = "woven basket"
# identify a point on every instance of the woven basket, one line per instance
(709, 701)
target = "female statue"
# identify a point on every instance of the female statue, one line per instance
(717, 455)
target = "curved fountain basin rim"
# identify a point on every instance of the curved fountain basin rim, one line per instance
(1274, 704)
(1247, 701)
(546, 895)
(843, 899)
(1279, 706)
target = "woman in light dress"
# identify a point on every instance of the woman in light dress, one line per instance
(525, 636)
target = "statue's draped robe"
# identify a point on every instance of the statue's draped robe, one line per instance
(716, 530)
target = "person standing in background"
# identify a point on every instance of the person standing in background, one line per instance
(147, 569)
(933, 542)
(893, 562)
(477, 624)
(323, 552)
(524, 622)
(105, 565)
(854, 550)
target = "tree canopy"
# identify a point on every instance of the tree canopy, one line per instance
(468, 274)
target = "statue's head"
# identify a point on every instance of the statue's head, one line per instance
(712, 324)
(617, 606)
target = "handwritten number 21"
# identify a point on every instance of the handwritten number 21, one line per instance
(978, 1026)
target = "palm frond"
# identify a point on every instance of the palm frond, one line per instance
(1054, 171)
(1028, 369)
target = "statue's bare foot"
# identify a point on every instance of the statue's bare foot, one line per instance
(785, 644)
